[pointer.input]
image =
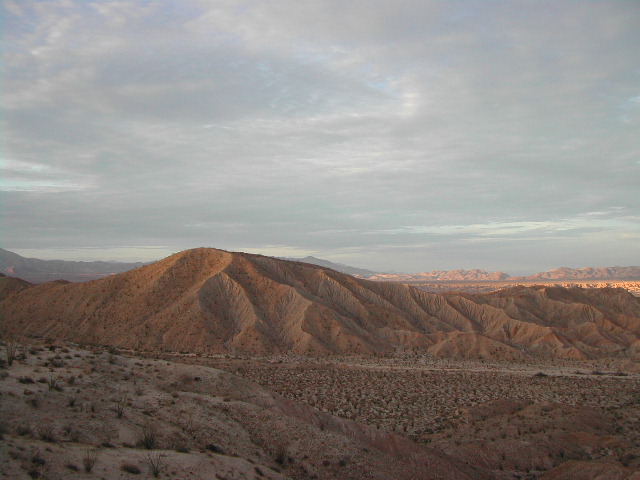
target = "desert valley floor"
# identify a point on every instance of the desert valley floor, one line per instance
(242, 417)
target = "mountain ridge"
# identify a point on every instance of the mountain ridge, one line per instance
(36, 270)
(208, 300)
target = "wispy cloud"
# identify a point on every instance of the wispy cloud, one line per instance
(310, 125)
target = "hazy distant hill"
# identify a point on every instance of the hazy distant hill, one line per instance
(339, 267)
(35, 270)
(208, 300)
(450, 275)
(442, 275)
(587, 273)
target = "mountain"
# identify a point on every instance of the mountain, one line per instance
(35, 270)
(587, 273)
(436, 275)
(338, 267)
(442, 275)
(208, 300)
(479, 275)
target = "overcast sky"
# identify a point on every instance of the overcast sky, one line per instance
(391, 135)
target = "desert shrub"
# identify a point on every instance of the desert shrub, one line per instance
(281, 455)
(148, 436)
(215, 449)
(53, 383)
(11, 350)
(89, 459)
(24, 430)
(36, 456)
(156, 463)
(46, 433)
(120, 406)
(35, 472)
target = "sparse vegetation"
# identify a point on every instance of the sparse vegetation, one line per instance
(89, 459)
(53, 382)
(447, 404)
(121, 404)
(46, 432)
(155, 461)
(149, 436)
(11, 349)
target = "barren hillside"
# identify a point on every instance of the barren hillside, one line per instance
(208, 300)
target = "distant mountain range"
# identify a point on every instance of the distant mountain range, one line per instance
(208, 300)
(338, 267)
(442, 275)
(587, 273)
(39, 271)
(35, 270)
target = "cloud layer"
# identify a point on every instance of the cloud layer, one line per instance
(405, 135)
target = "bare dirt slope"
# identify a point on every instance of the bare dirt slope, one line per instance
(208, 300)
(62, 406)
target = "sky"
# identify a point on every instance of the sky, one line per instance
(406, 135)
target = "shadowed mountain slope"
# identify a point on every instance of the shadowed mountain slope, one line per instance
(208, 300)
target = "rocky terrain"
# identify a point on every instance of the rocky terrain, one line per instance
(73, 413)
(209, 301)
(67, 412)
(518, 421)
